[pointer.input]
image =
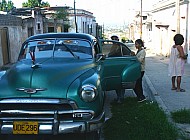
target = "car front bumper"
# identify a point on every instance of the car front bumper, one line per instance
(62, 127)
(49, 116)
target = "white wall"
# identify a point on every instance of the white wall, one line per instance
(168, 17)
(84, 24)
(16, 38)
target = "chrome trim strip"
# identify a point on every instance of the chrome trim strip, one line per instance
(33, 112)
(79, 111)
(45, 112)
(24, 118)
(21, 100)
(71, 127)
(112, 77)
(33, 100)
(44, 101)
(30, 90)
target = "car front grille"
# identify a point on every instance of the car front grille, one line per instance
(36, 106)
(48, 110)
(33, 111)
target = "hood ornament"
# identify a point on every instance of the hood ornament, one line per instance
(31, 90)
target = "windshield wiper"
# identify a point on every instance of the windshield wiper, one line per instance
(75, 56)
(32, 55)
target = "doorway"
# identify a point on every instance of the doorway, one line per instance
(5, 45)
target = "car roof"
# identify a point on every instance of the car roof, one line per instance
(62, 35)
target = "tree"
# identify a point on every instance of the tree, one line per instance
(45, 4)
(4, 6)
(39, 1)
(10, 5)
(62, 14)
(35, 3)
(123, 39)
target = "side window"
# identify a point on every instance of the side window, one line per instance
(126, 51)
(114, 49)
(111, 49)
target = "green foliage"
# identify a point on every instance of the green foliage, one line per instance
(45, 4)
(35, 3)
(181, 116)
(104, 36)
(10, 5)
(39, 1)
(138, 121)
(123, 39)
(61, 14)
(6, 6)
(66, 27)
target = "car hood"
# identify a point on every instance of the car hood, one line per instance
(50, 79)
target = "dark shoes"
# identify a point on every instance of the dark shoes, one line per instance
(180, 90)
(140, 100)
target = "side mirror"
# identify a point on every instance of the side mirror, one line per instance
(100, 56)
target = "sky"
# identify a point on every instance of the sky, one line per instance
(107, 12)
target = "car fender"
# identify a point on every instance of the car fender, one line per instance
(2, 73)
(88, 78)
(129, 73)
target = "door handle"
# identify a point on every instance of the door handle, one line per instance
(133, 59)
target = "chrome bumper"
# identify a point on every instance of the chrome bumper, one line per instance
(56, 127)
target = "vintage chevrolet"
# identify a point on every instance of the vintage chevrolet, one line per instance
(58, 84)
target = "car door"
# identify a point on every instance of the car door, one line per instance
(119, 69)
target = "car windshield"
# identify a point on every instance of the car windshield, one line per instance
(63, 48)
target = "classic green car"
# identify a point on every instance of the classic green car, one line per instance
(58, 84)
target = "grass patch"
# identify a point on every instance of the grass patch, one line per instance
(138, 121)
(181, 116)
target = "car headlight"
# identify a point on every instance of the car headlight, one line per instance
(88, 93)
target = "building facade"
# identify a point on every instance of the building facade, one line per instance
(165, 24)
(12, 34)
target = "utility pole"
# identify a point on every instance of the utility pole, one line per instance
(103, 32)
(75, 18)
(178, 16)
(141, 22)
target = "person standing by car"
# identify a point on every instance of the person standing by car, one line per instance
(176, 63)
(141, 54)
(114, 52)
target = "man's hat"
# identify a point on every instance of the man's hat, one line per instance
(114, 36)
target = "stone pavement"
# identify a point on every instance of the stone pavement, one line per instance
(157, 86)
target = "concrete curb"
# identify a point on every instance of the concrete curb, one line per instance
(153, 95)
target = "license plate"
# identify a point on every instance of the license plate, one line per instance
(25, 127)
